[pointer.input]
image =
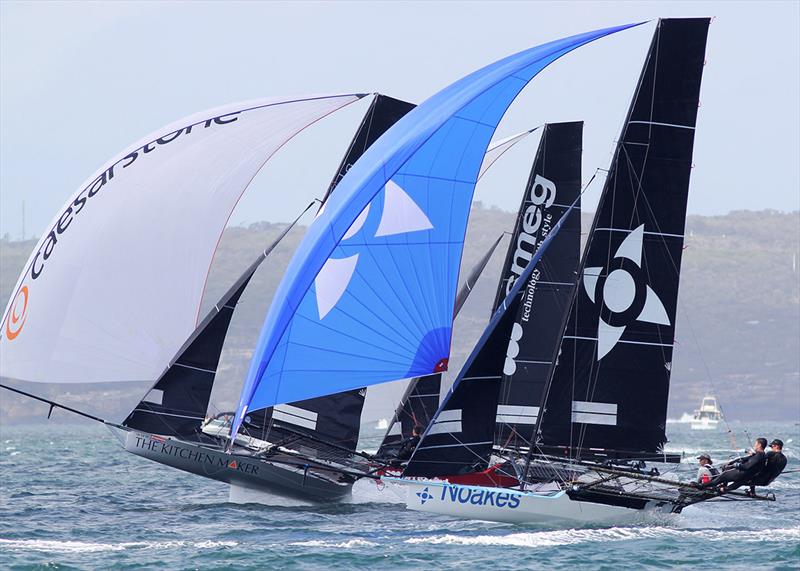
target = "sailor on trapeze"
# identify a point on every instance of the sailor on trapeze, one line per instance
(751, 470)
(775, 464)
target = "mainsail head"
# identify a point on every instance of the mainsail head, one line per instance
(368, 297)
(113, 288)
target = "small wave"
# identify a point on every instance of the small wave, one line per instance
(575, 536)
(350, 544)
(50, 546)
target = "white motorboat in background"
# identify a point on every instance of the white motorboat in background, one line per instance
(707, 417)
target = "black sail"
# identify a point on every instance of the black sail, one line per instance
(485, 395)
(555, 184)
(384, 112)
(610, 388)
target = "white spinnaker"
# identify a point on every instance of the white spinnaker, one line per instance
(113, 288)
(498, 148)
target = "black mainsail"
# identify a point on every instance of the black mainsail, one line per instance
(485, 400)
(609, 391)
(555, 183)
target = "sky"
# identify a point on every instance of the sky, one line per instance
(79, 82)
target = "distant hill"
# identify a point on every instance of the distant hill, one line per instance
(738, 331)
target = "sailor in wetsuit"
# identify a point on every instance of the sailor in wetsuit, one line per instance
(408, 445)
(741, 470)
(775, 464)
(706, 471)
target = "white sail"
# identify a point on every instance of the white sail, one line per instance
(114, 286)
(498, 148)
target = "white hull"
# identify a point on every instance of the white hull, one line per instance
(705, 424)
(514, 506)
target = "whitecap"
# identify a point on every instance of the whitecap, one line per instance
(350, 544)
(52, 546)
(578, 536)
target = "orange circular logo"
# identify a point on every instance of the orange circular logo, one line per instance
(16, 316)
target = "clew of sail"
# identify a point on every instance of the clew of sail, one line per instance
(114, 286)
(369, 295)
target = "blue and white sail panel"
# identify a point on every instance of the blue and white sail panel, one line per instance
(389, 310)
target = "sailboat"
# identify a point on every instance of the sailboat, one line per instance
(368, 297)
(602, 394)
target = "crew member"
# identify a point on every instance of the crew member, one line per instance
(706, 471)
(408, 445)
(775, 464)
(741, 470)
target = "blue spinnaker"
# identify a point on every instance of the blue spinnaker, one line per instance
(368, 296)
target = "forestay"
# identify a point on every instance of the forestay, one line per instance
(369, 295)
(114, 286)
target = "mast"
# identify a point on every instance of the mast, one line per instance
(609, 391)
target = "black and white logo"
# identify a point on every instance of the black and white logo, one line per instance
(623, 291)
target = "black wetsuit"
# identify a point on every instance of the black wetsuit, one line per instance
(739, 475)
(407, 448)
(776, 462)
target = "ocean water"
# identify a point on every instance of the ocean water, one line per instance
(71, 498)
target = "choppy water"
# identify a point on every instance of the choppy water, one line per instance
(71, 498)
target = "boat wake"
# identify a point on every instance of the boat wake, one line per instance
(580, 536)
(350, 544)
(47, 546)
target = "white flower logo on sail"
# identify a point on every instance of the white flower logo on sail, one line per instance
(619, 294)
(400, 215)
